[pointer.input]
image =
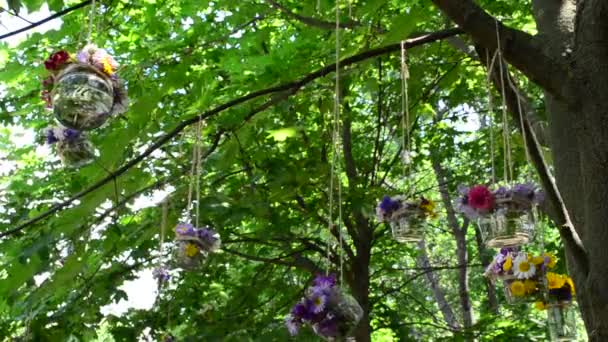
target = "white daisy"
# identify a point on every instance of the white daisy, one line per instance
(522, 267)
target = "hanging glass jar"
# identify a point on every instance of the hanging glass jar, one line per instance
(332, 313)
(408, 219)
(505, 215)
(561, 319)
(73, 147)
(193, 245)
(82, 97)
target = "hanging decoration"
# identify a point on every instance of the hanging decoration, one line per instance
(503, 215)
(72, 146)
(84, 91)
(332, 313)
(408, 219)
(194, 245)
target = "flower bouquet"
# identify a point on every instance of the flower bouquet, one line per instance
(84, 90)
(560, 311)
(521, 273)
(408, 219)
(332, 313)
(72, 146)
(194, 245)
(503, 215)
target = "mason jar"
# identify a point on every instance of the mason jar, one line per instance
(508, 229)
(408, 225)
(76, 152)
(561, 319)
(82, 97)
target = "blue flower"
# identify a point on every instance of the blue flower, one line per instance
(322, 282)
(328, 327)
(293, 325)
(185, 229)
(71, 134)
(50, 136)
(319, 300)
(388, 205)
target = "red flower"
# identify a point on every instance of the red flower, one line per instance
(480, 198)
(56, 60)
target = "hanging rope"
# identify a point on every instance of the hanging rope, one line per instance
(491, 113)
(508, 167)
(198, 169)
(405, 120)
(91, 16)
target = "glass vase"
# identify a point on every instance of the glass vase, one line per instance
(189, 253)
(76, 153)
(408, 225)
(82, 97)
(506, 230)
(345, 315)
(561, 319)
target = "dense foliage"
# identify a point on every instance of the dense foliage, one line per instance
(265, 172)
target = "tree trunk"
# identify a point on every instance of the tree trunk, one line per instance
(485, 261)
(569, 60)
(360, 288)
(444, 306)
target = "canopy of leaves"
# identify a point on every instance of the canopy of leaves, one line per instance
(265, 171)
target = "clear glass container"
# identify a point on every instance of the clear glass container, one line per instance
(76, 152)
(82, 97)
(346, 313)
(561, 318)
(189, 254)
(408, 225)
(506, 230)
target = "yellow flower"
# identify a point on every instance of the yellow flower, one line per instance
(552, 260)
(107, 67)
(191, 250)
(537, 260)
(540, 305)
(428, 207)
(508, 264)
(571, 283)
(555, 281)
(518, 288)
(530, 286)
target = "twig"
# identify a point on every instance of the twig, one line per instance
(54, 16)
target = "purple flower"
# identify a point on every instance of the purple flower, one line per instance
(185, 229)
(161, 274)
(206, 234)
(539, 197)
(322, 282)
(388, 205)
(501, 192)
(328, 327)
(525, 190)
(71, 134)
(304, 310)
(562, 294)
(82, 56)
(293, 325)
(50, 136)
(319, 300)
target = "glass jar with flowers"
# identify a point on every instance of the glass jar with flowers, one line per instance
(408, 219)
(83, 91)
(193, 245)
(332, 313)
(72, 146)
(521, 273)
(504, 216)
(558, 301)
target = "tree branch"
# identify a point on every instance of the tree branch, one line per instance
(54, 16)
(289, 88)
(297, 261)
(517, 47)
(326, 25)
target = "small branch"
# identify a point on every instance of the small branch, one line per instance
(54, 16)
(326, 25)
(298, 261)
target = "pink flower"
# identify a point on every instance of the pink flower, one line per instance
(480, 198)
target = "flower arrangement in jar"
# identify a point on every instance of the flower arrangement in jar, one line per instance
(84, 91)
(194, 245)
(408, 219)
(504, 215)
(72, 146)
(332, 313)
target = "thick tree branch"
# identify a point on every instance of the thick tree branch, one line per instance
(518, 48)
(54, 16)
(559, 213)
(326, 25)
(288, 88)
